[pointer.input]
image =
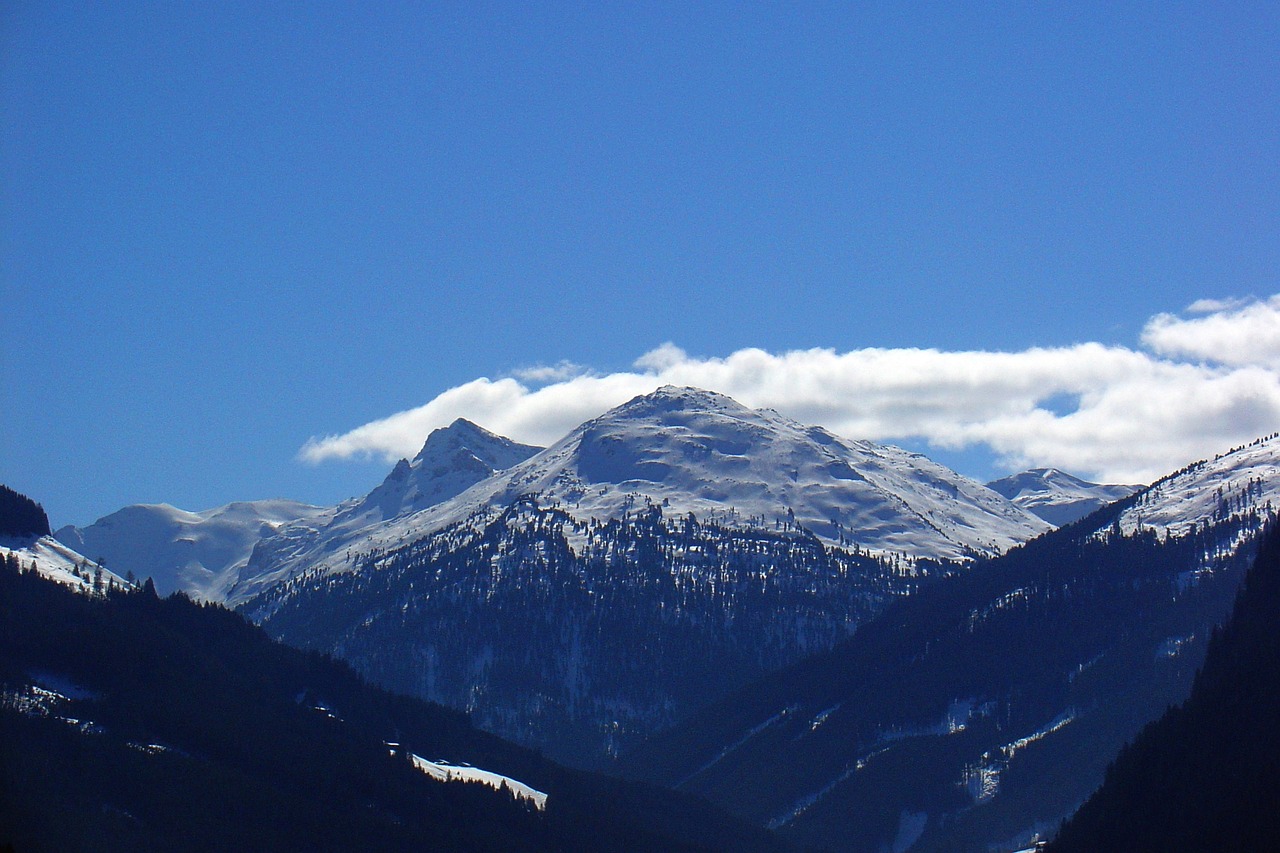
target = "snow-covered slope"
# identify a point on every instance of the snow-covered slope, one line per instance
(444, 771)
(1056, 496)
(696, 451)
(54, 560)
(453, 459)
(1242, 479)
(201, 553)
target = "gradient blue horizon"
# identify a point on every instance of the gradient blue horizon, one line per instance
(228, 227)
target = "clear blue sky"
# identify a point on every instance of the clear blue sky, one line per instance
(230, 226)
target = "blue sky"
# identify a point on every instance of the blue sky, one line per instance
(228, 229)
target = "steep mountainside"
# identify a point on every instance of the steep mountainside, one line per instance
(1056, 496)
(133, 723)
(984, 709)
(689, 450)
(452, 460)
(1203, 776)
(670, 550)
(200, 553)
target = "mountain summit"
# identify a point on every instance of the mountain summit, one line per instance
(696, 451)
(1056, 496)
(452, 459)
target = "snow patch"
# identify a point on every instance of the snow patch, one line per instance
(443, 771)
(59, 563)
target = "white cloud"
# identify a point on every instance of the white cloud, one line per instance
(1215, 306)
(541, 373)
(1141, 414)
(1235, 333)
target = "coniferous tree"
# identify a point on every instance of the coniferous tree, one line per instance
(21, 516)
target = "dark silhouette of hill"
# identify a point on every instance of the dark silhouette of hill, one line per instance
(1203, 777)
(182, 727)
(21, 516)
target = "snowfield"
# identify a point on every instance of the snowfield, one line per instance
(201, 553)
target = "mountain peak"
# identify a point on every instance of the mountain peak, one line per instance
(693, 450)
(677, 398)
(1056, 496)
(463, 432)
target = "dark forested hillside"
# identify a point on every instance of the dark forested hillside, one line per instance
(129, 722)
(578, 637)
(21, 516)
(980, 711)
(1203, 777)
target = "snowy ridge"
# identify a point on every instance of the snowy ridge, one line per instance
(1056, 496)
(58, 563)
(452, 459)
(446, 772)
(689, 450)
(1242, 480)
(201, 553)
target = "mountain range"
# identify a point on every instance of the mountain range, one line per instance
(838, 638)
(797, 536)
(981, 711)
(669, 550)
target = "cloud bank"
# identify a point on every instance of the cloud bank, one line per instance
(1200, 384)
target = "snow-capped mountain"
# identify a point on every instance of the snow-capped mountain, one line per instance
(200, 553)
(979, 712)
(702, 452)
(671, 549)
(1056, 496)
(452, 459)
(695, 451)
(207, 554)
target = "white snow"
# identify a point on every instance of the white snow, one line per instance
(446, 772)
(1056, 496)
(688, 450)
(1242, 479)
(451, 460)
(982, 779)
(57, 562)
(201, 553)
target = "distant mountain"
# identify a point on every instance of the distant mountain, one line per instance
(690, 450)
(208, 554)
(1056, 496)
(977, 713)
(1202, 777)
(657, 556)
(133, 723)
(453, 459)
(200, 553)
